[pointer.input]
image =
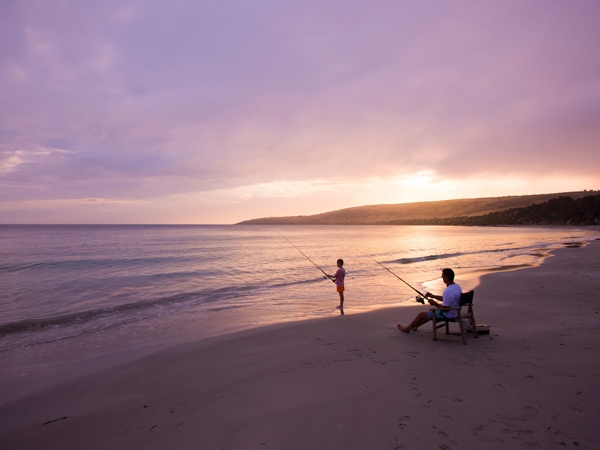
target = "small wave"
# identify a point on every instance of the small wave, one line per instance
(434, 257)
(19, 267)
(507, 268)
(425, 258)
(574, 244)
(39, 331)
(73, 333)
(125, 313)
(76, 319)
(90, 264)
(226, 308)
(298, 282)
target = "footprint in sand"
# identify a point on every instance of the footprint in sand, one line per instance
(499, 388)
(531, 411)
(518, 433)
(403, 422)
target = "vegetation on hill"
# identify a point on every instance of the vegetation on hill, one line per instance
(557, 211)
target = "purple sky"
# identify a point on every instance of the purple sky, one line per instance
(194, 111)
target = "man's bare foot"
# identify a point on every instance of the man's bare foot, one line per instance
(401, 328)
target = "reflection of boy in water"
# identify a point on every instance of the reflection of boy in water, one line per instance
(339, 282)
(450, 299)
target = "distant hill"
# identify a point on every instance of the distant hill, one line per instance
(475, 211)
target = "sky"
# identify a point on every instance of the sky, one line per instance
(214, 112)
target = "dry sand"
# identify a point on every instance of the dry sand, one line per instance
(355, 381)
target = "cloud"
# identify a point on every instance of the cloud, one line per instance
(146, 100)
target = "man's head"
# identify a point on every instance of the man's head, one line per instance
(448, 274)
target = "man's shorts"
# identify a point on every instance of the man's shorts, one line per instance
(438, 315)
(339, 288)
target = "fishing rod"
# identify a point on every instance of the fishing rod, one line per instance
(421, 294)
(326, 276)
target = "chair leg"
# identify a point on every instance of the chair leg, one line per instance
(474, 325)
(463, 332)
(434, 328)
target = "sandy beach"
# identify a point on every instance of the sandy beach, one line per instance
(354, 381)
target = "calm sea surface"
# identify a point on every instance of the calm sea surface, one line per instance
(72, 293)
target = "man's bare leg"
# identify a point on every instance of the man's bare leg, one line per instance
(422, 318)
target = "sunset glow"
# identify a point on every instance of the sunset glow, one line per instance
(218, 112)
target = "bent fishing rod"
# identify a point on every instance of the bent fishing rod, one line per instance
(327, 276)
(421, 294)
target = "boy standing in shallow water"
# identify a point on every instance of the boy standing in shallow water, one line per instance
(338, 278)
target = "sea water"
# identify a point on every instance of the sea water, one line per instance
(74, 293)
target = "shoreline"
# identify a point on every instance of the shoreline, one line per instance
(47, 376)
(354, 381)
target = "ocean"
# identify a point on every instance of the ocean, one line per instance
(72, 293)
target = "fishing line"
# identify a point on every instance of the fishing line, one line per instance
(422, 295)
(327, 276)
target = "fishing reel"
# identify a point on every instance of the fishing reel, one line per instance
(420, 299)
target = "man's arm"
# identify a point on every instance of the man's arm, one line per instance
(429, 296)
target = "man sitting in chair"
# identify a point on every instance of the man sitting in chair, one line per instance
(450, 299)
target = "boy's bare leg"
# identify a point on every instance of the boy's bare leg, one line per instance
(341, 307)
